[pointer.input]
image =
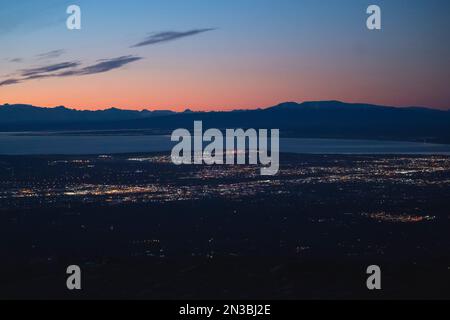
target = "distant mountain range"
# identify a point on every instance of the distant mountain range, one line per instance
(24, 114)
(321, 119)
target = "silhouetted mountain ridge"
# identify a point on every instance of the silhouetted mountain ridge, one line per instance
(21, 114)
(315, 119)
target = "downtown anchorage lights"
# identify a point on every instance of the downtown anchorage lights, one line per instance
(234, 148)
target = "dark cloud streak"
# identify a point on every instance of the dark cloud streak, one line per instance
(51, 54)
(101, 66)
(167, 36)
(50, 68)
(9, 82)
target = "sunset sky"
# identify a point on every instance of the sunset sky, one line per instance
(223, 54)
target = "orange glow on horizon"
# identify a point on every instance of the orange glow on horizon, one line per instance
(178, 93)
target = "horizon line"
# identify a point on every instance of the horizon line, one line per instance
(219, 109)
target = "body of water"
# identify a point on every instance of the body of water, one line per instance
(30, 144)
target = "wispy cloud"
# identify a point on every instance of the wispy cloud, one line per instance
(169, 36)
(102, 66)
(9, 82)
(49, 68)
(51, 54)
(16, 60)
(58, 70)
